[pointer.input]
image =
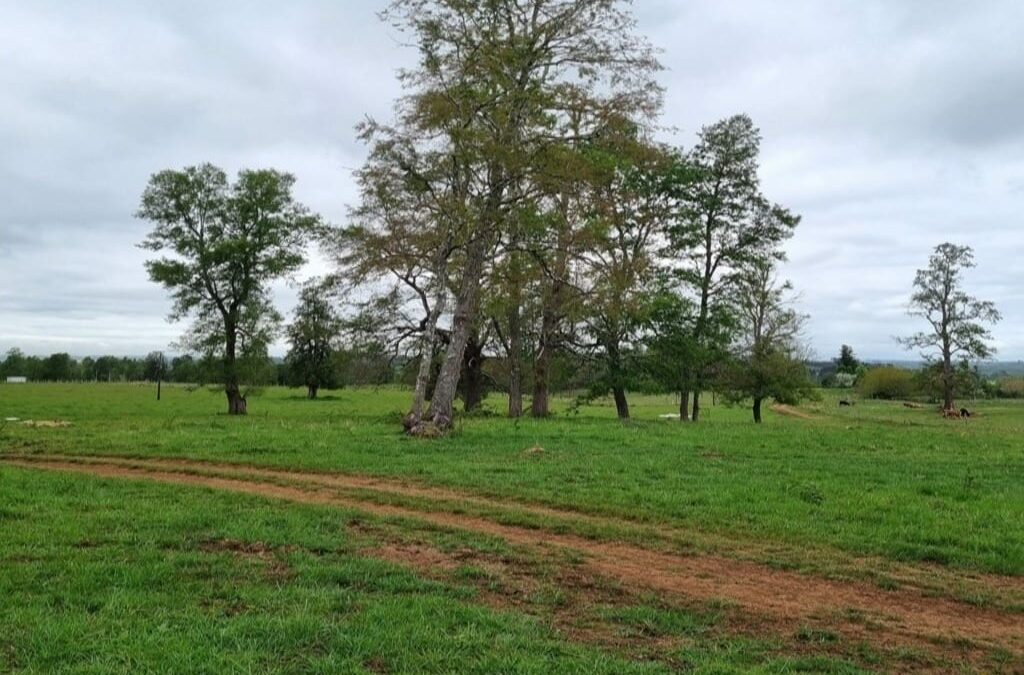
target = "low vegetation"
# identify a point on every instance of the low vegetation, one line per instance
(878, 496)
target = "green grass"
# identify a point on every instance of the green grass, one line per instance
(105, 576)
(878, 479)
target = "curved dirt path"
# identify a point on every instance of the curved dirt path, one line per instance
(891, 618)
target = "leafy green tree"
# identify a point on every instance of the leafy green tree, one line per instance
(15, 364)
(888, 383)
(155, 367)
(313, 336)
(724, 227)
(185, 370)
(498, 88)
(59, 368)
(847, 362)
(957, 321)
(628, 209)
(768, 363)
(227, 242)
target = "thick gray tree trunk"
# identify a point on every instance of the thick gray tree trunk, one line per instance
(442, 405)
(427, 344)
(237, 404)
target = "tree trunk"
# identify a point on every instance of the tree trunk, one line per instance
(695, 415)
(472, 377)
(540, 406)
(684, 405)
(948, 383)
(312, 391)
(617, 378)
(236, 402)
(757, 410)
(621, 404)
(515, 363)
(427, 343)
(442, 406)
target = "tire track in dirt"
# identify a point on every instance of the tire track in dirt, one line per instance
(933, 580)
(900, 616)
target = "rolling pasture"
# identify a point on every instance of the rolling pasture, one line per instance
(312, 536)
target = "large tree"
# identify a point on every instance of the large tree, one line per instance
(225, 243)
(627, 210)
(725, 226)
(495, 87)
(957, 321)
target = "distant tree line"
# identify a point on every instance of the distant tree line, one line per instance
(351, 367)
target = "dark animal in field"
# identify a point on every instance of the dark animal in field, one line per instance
(964, 412)
(845, 404)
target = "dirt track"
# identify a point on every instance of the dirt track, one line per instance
(899, 617)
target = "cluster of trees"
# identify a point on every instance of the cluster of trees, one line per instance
(364, 366)
(517, 206)
(519, 209)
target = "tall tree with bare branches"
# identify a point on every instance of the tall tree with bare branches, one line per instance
(957, 321)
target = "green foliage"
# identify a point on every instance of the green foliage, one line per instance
(313, 338)
(957, 321)
(223, 244)
(1010, 387)
(888, 383)
(847, 363)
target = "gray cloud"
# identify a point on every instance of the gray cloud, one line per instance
(889, 126)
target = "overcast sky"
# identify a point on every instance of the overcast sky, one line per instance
(889, 125)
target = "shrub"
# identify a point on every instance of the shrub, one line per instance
(887, 383)
(843, 380)
(1010, 387)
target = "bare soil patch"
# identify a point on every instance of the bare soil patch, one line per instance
(895, 618)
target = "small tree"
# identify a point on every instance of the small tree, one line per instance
(155, 367)
(313, 337)
(956, 319)
(227, 242)
(847, 363)
(768, 364)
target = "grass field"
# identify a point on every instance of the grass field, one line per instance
(505, 547)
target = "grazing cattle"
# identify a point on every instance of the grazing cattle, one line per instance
(845, 404)
(964, 412)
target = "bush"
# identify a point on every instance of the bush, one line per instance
(887, 383)
(1010, 387)
(843, 381)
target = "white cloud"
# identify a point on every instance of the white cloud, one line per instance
(889, 126)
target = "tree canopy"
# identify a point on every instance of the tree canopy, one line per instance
(224, 243)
